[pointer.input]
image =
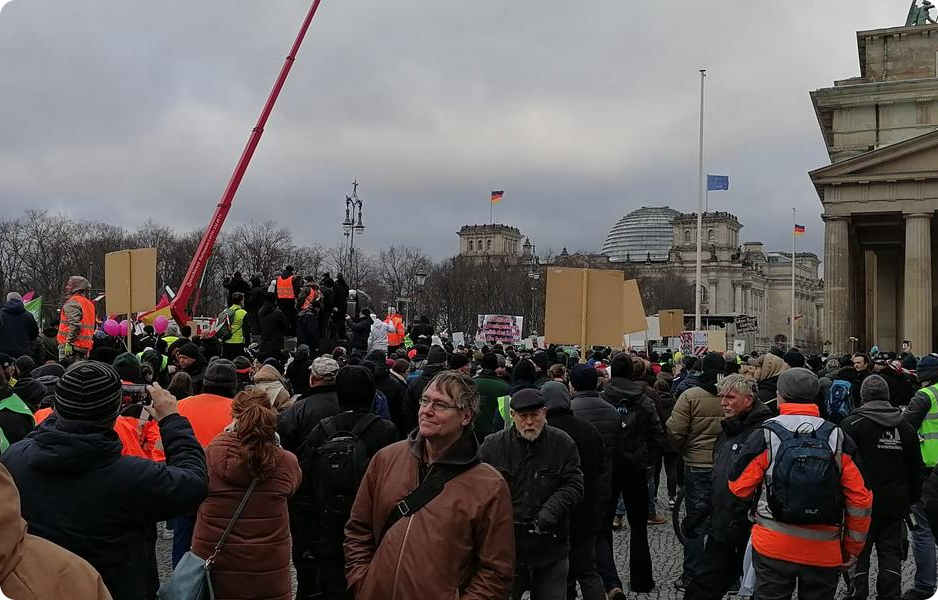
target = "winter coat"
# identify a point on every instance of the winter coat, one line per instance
(196, 372)
(890, 457)
(255, 562)
(378, 337)
(272, 326)
(269, 380)
(900, 386)
(546, 486)
(340, 291)
(682, 384)
(15, 424)
(491, 388)
(80, 493)
(296, 423)
(360, 332)
(694, 426)
(422, 330)
(642, 435)
(50, 346)
(463, 537)
(308, 535)
(729, 516)
(393, 389)
(589, 517)
(413, 393)
(18, 329)
(236, 284)
(27, 561)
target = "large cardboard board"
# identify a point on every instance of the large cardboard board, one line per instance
(633, 310)
(590, 297)
(653, 328)
(717, 340)
(671, 322)
(130, 281)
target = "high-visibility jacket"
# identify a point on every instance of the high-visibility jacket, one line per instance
(813, 545)
(208, 414)
(928, 432)
(123, 427)
(163, 365)
(4, 443)
(237, 324)
(310, 298)
(85, 338)
(285, 288)
(396, 337)
(504, 411)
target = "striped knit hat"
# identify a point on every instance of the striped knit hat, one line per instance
(89, 391)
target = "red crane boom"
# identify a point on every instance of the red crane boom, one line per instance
(180, 304)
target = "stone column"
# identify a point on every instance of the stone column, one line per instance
(918, 293)
(737, 304)
(837, 300)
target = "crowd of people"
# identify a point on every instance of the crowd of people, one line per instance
(375, 461)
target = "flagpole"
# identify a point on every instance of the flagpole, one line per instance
(700, 202)
(491, 212)
(793, 255)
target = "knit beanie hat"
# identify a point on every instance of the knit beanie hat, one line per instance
(221, 373)
(355, 387)
(525, 369)
(190, 350)
(584, 378)
(458, 361)
(793, 358)
(436, 356)
(622, 365)
(25, 365)
(489, 361)
(127, 367)
(713, 361)
(874, 389)
(88, 391)
(540, 359)
(927, 369)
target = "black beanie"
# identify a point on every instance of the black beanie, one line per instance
(524, 370)
(457, 361)
(621, 365)
(489, 361)
(793, 358)
(190, 350)
(713, 361)
(540, 359)
(355, 387)
(88, 391)
(221, 374)
(436, 356)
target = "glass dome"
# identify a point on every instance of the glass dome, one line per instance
(643, 231)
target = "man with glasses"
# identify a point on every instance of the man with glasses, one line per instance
(430, 519)
(542, 467)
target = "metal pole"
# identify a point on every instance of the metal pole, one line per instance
(700, 208)
(793, 219)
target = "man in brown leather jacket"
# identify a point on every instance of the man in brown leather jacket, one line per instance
(460, 544)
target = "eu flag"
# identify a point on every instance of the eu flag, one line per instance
(718, 182)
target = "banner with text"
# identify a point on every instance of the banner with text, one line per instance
(503, 329)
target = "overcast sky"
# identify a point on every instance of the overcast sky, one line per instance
(581, 111)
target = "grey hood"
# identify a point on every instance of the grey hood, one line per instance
(880, 412)
(556, 395)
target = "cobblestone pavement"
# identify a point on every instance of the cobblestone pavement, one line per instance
(666, 553)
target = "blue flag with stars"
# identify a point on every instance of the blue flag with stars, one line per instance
(718, 182)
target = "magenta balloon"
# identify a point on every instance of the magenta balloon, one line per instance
(112, 327)
(123, 328)
(160, 324)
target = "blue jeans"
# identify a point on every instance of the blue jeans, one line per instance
(923, 550)
(696, 490)
(183, 527)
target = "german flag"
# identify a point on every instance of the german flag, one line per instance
(497, 196)
(799, 229)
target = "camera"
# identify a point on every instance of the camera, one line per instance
(136, 394)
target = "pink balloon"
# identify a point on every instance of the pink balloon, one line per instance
(160, 324)
(112, 327)
(124, 325)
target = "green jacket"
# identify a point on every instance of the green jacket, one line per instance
(491, 387)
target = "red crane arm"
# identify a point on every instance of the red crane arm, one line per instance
(180, 304)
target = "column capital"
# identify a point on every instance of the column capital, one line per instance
(918, 215)
(827, 218)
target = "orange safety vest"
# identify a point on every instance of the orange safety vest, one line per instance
(396, 338)
(85, 337)
(124, 427)
(310, 298)
(285, 288)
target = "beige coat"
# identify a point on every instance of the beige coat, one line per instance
(32, 568)
(269, 380)
(694, 426)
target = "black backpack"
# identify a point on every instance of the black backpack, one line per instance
(339, 464)
(803, 487)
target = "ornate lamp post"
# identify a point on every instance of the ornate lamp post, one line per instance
(351, 227)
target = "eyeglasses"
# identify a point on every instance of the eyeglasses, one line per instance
(437, 406)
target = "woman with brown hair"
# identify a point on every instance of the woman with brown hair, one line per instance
(255, 561)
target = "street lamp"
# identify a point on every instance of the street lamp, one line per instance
(421, 277)
(350, 227)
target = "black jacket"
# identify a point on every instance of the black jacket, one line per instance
(360, 330)
(236, 284)
(589, 516)
(296, 423)
(272, 326)
(78, 492)
(340, 292)
(768, 392)
(605, 418)
(412, 394)
(304, 506)
(546, 486)
(255, 299)
(729, 516)
(18, 329)
(196, 372)
(642, 433)
(421, 330)
(890, 457)
(15, 426)
(393, 390)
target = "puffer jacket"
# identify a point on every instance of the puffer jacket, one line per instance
(642, 435)
(729, 516)
(255, 562)
(32, 568)
(378, 337)
(607, 421)
(296, 423)
(470, 518)
(546, 486)
(694, 426)
(18, 328)
(269, 380)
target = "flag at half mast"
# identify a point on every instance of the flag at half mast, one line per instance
(497, 196)
(799, 229)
